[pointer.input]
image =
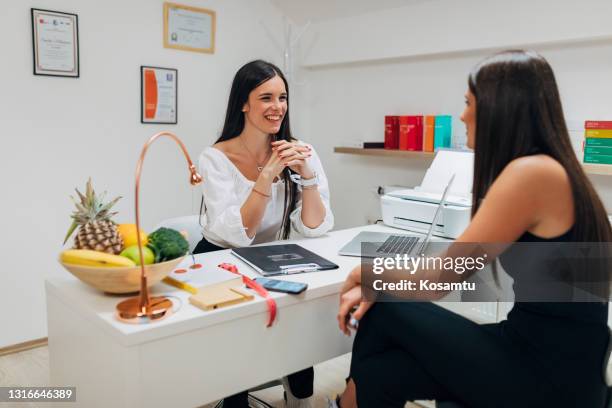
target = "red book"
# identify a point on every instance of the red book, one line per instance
(391, 132)
(411, 133)
(598, 124)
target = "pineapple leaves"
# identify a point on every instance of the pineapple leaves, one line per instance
(89, 208)
(81, 196)
(108, 206)
(73, 226)
(89, 192)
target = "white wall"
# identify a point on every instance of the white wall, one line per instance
(59, 131)
(435, 27)
(383, 65)
(56, 132)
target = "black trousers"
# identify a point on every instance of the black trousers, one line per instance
(301, 382)
(412, 351)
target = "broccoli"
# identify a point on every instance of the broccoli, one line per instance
(167, 244)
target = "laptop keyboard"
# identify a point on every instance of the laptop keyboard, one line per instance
(398, 244)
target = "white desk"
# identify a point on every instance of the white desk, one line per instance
(196, 357)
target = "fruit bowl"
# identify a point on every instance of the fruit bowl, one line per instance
(121, 279)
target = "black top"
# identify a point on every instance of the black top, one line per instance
(568, 339)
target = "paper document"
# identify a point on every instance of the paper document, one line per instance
(445, 164)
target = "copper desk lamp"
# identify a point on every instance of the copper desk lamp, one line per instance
(143, 308)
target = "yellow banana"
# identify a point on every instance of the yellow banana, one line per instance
(88, 257)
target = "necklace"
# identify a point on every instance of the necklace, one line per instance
(259, 166)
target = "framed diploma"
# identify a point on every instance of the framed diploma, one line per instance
(189, 28)
(55, 38)
(158, 96)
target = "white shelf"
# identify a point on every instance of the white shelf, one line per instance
(598, 169)
(385, 153)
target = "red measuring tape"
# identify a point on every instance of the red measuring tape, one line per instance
(261, 291)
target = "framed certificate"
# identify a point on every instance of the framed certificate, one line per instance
(55, 38)
(158, 96)
(189, 28)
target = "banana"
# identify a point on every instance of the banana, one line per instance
(88, 257)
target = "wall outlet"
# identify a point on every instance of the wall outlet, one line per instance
(382, 190)
(371, 219)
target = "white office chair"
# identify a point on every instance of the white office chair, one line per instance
(607, 380)
(188, 223)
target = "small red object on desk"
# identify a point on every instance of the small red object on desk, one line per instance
(261, 291)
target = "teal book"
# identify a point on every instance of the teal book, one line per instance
(442, 131)
(598, 158)
(599, 150)
(598, 141)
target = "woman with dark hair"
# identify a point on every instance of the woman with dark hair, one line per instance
(528, 187)
(260, 182)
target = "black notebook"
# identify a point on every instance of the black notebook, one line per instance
(282, 259)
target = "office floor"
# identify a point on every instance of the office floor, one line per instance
(32, 368)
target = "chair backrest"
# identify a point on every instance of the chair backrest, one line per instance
(187, 223)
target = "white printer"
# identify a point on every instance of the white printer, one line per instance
(414, 208)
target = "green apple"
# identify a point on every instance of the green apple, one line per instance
(132, 253)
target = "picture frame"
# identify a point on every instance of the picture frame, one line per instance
(189, 28)
(158, 95)
(55, 43)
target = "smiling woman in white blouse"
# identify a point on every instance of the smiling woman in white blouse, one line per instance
(261, 183)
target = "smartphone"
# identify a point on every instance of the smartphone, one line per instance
(277, 285)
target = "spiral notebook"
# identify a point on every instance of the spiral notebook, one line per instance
(283, 259)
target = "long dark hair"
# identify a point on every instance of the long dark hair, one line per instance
(249, 77)
(519, 113)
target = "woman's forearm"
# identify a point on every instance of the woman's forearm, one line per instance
(313, 210)
(253, 209)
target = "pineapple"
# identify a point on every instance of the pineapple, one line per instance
(96, 229)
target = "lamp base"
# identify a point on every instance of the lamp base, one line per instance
(129, 310)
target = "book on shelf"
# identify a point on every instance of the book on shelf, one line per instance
(391, 132)
(598, 124)
(598, 158)
(442, 131)
(598, 150)
(411, 133)
(598, 141)
(428, 135)
(598, 133)
(374, 145)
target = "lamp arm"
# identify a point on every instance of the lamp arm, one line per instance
(194, 179)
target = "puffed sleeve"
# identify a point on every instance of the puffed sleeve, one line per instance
(296, 216)
(223, 222)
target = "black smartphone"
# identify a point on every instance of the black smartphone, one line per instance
(277, 285)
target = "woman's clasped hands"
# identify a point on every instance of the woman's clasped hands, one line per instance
(292, 155)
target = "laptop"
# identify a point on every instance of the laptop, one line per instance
(393, 243)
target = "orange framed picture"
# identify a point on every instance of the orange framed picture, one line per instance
(158, 95)
(189, 28)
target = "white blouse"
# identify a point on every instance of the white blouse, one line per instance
(226, 189)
